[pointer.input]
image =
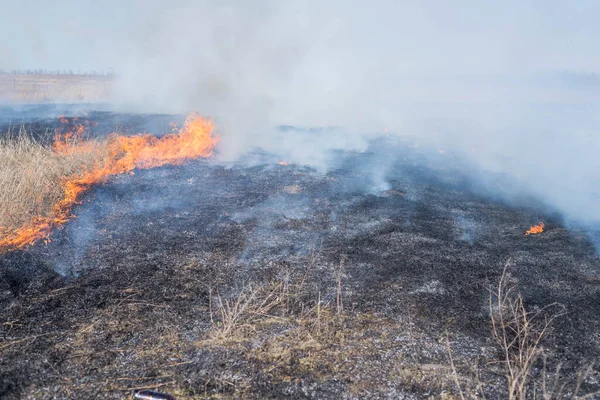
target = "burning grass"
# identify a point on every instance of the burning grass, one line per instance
(535, 229)
(32, 180)
(75, 164)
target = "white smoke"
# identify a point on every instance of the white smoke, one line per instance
(513, 84)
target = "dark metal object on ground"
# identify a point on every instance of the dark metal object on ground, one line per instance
(151, 395)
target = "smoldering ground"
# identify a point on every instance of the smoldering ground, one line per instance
(406, 231)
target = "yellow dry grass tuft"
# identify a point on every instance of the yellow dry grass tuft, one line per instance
(32, 177)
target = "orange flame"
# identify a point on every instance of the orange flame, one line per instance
(71, 140)
(283, 162)
(125, 153)
(535, 229)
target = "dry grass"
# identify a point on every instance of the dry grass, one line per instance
(293, 331)
(295, 334)
(32, 177)
(55, 88)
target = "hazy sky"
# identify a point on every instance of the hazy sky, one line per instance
(518, 80)
(420, 38)
(288, 61)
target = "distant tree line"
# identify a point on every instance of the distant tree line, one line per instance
(56, 72)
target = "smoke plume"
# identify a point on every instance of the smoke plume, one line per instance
(512, 86)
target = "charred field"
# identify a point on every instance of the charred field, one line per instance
(262, 280)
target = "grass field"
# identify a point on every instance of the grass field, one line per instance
(32, 177)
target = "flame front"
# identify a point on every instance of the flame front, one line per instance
(125, 153)
(535, 229)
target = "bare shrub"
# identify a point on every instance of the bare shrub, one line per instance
(519, 334)
(250, 304)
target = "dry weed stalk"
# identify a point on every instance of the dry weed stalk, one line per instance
(339, 275)
(558, 388)
(454, 372)
(286, 300)
(518, 333)
(473, 388)
(250, 304)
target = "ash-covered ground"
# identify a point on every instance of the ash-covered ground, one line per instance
(260, 280)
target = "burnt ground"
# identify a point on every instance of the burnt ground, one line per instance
(273, 281)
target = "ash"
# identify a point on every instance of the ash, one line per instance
(393, 255)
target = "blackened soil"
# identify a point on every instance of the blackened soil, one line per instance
(122, 296)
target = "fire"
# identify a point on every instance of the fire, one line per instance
(125, 153)
(71, 140)
(283, 162)
(535, 229)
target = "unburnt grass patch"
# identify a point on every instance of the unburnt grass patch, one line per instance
(32, 176)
